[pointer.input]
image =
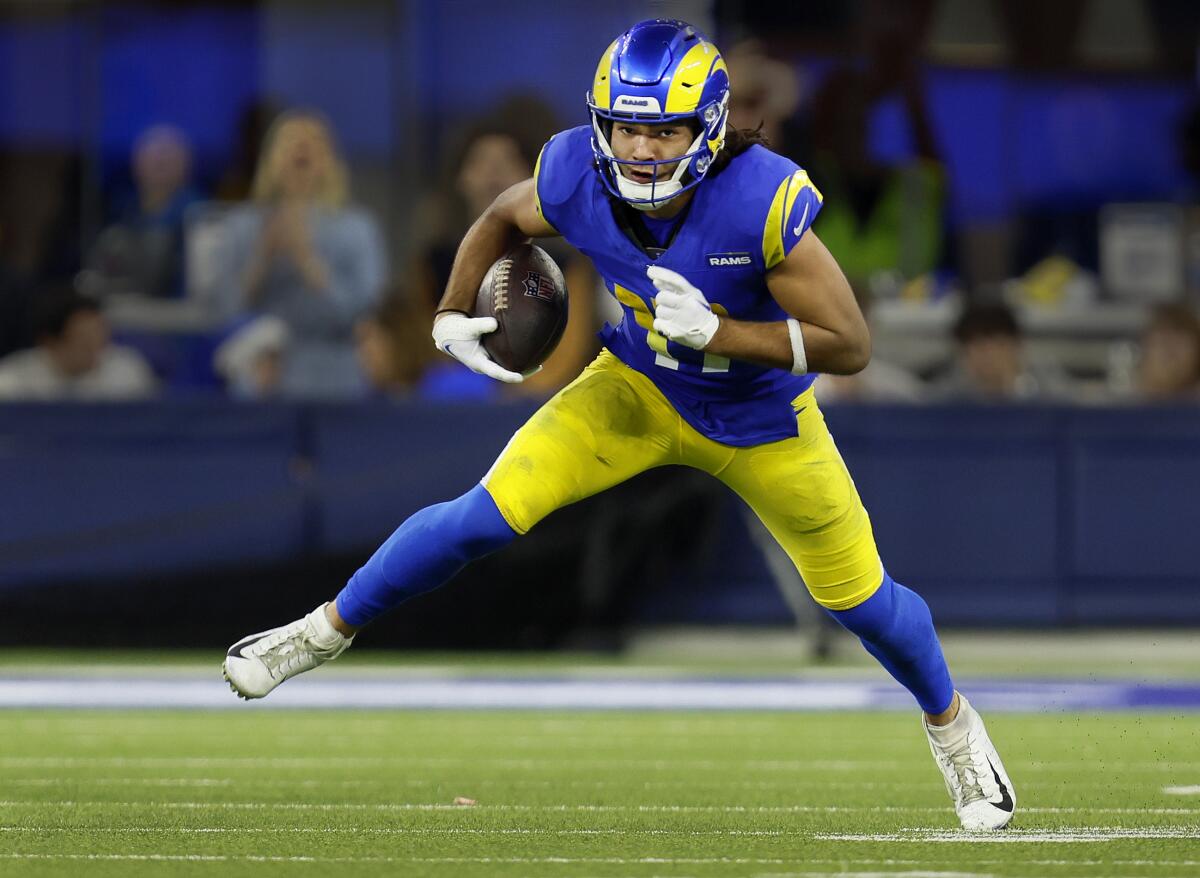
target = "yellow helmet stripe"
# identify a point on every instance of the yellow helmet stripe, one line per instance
(688, 81)
(601, 84)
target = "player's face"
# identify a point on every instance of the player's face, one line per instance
(635, 142)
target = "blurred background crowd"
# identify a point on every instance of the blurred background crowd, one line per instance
(235, 217)
(263, 199)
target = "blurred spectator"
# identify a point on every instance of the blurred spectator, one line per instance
(74, 357)
(491, 159)
(143, 251)
(881, 381)
(1169, 367)
(764, 95)
(991, 364)
(394, 345)
(300, 252)
(877, 218)
(251, 359)
(254, 121)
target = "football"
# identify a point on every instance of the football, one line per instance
(525, 291)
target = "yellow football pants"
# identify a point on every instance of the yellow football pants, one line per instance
(612, 423)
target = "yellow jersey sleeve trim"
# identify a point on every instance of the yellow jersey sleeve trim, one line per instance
(772, 241)
(537, 198)
(781, 208)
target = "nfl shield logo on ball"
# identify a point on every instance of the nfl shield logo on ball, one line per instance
(538, 286)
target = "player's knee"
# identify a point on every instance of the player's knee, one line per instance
(476, 522)
(874, 618)
(462, 529)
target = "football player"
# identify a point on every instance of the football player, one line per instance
(732, 306)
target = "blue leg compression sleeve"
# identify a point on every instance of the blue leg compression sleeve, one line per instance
(425, 551)
(895, 626)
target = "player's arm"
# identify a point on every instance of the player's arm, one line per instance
(808, 285)
(511, 219)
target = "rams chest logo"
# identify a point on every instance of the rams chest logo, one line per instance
(538, 286)
(724, 260)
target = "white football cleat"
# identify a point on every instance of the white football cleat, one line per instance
(983, 796)
(257, 664)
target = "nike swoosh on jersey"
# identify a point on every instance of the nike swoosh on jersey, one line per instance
(804, 216)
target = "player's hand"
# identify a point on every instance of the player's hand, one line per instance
(458, 335)
(681, 313)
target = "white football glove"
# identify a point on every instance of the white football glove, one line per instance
(458, 335)
(681, 313)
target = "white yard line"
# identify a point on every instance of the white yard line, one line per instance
(386, 807)
(339, 762)
(559, 692)
(619, 861)
(795, 786)
(1182, 791)
(1020, 836)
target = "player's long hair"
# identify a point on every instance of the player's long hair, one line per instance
(737, 141)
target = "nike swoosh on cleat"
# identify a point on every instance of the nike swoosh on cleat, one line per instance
(1006, 802)
(235, 651)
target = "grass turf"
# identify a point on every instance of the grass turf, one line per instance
(597, 794)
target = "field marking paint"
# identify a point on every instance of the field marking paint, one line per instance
(779, 693)
(587, 860)
(385, 830)
(792, 785)
(560, 808)
(123, 781)
(338, 762)
(1182, 791)
(1019, 836)
(846, 874)
(617, 861)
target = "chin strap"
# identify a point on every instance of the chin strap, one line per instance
(635, 194)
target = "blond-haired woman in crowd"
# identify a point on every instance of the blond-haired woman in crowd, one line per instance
(301, 252)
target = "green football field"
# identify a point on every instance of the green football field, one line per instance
(595, 793)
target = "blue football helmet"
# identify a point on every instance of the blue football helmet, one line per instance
(659, 71)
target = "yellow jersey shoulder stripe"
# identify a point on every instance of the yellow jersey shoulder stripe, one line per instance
(537, 198)
(781, 208)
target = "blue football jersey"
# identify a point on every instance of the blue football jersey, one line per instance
(740, 224)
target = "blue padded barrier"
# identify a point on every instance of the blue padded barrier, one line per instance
(996, 516)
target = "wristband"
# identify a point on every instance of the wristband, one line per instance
(799, 359)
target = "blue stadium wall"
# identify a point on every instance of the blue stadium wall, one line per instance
(1028, 516)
